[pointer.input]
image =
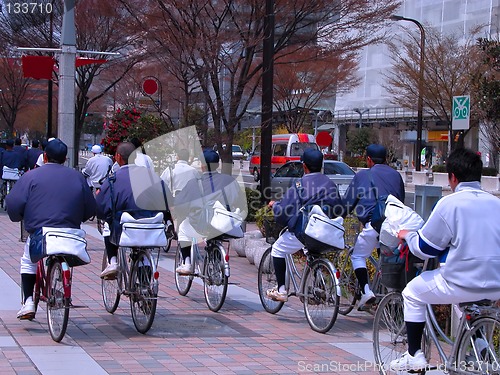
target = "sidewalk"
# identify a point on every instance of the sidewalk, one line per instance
(185, 338)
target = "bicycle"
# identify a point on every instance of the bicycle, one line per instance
(214, 274)
(6, 187)
(350, 291)
(54, 277)
(137, 279)
(317, 286)
(475, 349)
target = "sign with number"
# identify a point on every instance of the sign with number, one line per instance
(460, 112)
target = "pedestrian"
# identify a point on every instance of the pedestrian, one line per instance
(21, 150)
(141, 159)
(51, 196)
(361, 198)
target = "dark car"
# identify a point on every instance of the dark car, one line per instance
(337, 171)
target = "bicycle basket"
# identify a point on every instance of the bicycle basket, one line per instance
(272, 229)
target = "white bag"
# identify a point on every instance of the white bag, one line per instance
(69, 242)
(225, 221)
(398, 216)
(323, 229)
(10, 173)
(145, 232)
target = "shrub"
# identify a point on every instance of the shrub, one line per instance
(260, 214)
(489, 171)
(355, 161)
(439, 168)
(254, 203)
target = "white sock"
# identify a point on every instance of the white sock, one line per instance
(113, 260)
(187, 261)
(282, 289)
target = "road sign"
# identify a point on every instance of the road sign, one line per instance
(324, 139)
(460, 112)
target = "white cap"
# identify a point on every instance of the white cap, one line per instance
(96, 149)
(50, 139)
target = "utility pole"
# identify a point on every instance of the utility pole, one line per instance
(266, 131)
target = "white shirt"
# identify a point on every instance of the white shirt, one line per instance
(96, 168)
(144, 160)
(39, 161)
(181, 174)
(466, 222)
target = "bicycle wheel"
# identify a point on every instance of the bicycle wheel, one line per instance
(321, 302)
(110, 289)
(182, 283)
(389, 331)
(347, 280)
(267, 280)
(478, 351)
(3, 194)
(143, 291)
(214, 278)
(57, 304)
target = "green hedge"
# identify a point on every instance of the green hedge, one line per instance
(487, 171)
(254, 203)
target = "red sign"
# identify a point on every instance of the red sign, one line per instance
(324, 139)
(150, 86)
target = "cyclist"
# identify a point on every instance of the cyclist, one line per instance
(50, 196)
(33, 153)
(464, 227)
(178, 177)
(21, 150)
(141, 159)
(132, 188)
(313, 188)
(97, 167)
(191, 202)
(360, 198)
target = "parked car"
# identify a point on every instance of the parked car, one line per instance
(337, 171)
(238, 153)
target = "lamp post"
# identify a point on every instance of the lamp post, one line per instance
(361, 112)
(420, 104)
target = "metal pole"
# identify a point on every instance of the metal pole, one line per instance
(267, 100)
(420, 104)
(66, 102)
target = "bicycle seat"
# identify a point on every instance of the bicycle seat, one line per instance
(483, 302)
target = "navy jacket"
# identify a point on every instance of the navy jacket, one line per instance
(51, 196)
(316, 188)
(360, 195)
(12, 159)
(24, 155)
(135, 188)
(33, 154)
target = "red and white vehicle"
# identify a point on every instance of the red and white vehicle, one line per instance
(285, 147)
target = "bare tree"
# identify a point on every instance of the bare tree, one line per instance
(487, 85)
(449, 65)
(13, 91)
(308, 78)
(218, 45)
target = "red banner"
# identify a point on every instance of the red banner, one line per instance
(81, 61)
(38, 67)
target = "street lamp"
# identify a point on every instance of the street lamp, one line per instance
(361, 112)
(420, 85)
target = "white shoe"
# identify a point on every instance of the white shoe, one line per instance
(367, 299)
(27, 312)
(110, 272)
(410, 363)
(276, 295)
(184, 269)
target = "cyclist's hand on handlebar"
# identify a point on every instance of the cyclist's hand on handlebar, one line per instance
(271, 203)
(402, 234)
